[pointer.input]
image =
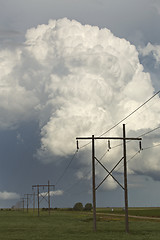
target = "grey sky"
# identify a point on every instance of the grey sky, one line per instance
(134, 20)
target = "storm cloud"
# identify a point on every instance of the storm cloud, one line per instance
(75, 80)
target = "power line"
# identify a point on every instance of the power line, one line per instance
(142, 135)
(149, 131)
(75, 183)
(129, 159)
(143, 110)
(88, 172)
(73, 157)
(107, 151)
(157, 145)
(138, 153)
(124, 118)
(131, 113)
(110, 130)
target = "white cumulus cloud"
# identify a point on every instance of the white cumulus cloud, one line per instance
(9, 195)
(52, 193)
(153, 50)
(75, 80)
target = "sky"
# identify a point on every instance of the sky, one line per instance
(72, 69)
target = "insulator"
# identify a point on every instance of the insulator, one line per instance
(109, 145)
(77, 146)
(140, 146)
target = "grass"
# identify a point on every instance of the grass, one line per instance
(61, 225)
(146, 212)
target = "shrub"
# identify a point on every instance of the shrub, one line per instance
(88, 207)
(78, 207)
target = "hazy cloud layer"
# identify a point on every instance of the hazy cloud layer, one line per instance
(75, 80)
(9, 195)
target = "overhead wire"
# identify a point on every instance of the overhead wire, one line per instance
(88, 172)
(138, 114)
(124, 117)
(59, 179)
(130, 113)
(130, 159)
(144, 134)
(66, 168)
(157, 145)
(77, 182)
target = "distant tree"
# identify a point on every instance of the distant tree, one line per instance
(88, 207)
(78, 206)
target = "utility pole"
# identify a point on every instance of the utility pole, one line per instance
(48, 197)
(33, 202)
(124, 138)
(37, 187)
(27, 197)
(93, 184)
(39, 194)
(125, 180)
(23, 203)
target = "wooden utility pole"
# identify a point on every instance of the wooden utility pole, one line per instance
(39, 194)
(27, 197)
(125, 180)
(93, 184)
(48, 198)
(23, 203)
(33, 202)
(93, 138)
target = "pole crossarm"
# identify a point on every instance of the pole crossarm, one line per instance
(43, 185)
(109, 138)
(109, 173)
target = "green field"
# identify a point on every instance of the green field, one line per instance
(62, 224)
